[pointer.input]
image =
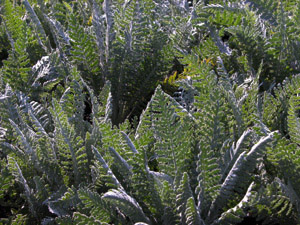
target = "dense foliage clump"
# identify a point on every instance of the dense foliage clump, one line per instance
(149, 112)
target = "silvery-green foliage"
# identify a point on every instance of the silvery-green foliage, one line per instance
(186, 202)
(126, 204)
(126, 165)
(72, 149)
(234, 182)
(171, 135)
(211, 156)
(35, 20)
(83, 52)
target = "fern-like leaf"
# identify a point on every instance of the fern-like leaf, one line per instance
(192, 214)
(235, 181)
(128, 205)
